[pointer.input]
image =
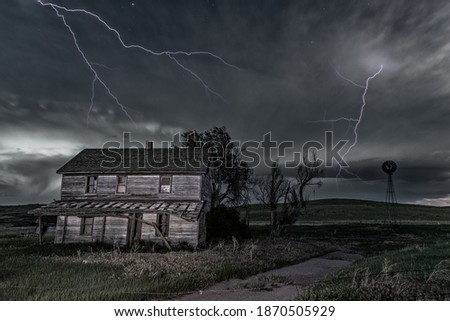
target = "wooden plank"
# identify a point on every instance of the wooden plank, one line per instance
(89, 205)
(106, 184)
(64, 230)
(119, 204)
(72, 185)
(155, 206)
(186, 185)
(99, 204)
(111, 204)
(135, 206)
(192, 207)
(145, 206)
(166, 243)
(80, 205)
(172, 207)
(105, 205)
(143, 184)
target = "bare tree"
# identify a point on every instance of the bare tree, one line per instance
(308, 175)
(286, 198)
(270, 190)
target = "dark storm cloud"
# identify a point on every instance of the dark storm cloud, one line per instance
(287, 51)
(29, 177)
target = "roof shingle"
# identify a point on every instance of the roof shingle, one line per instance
(133, 160)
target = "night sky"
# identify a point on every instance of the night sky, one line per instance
(289, 54)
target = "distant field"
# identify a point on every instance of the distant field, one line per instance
(16, 215)
(15, 220)
(353, 211)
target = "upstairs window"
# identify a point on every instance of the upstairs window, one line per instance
(121, 184)
(165, 184)
(87, 224)
(91, 186)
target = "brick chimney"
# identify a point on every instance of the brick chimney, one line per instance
(149, 144)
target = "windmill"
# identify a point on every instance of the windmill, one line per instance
(389, 167)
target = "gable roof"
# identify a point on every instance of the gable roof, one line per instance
(134, 161)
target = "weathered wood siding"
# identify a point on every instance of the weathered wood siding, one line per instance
(179, 230)
(147, 185)
(59, 231)
(184, 187)
(114, 230)
(73, 186)
(106, 229)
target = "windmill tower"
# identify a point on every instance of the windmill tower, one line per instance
(389, 167)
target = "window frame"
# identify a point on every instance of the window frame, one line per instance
(125, 184)
(161, 185)
(95, 185)
(83, 226)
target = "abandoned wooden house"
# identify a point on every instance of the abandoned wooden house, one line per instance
(125, 195)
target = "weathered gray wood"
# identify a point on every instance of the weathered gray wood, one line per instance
(161, 236)
(183, 187)
(103, 229)
(72, 186)
(108, 226)
(179, 230)
(107, 184)
(187, 186)
(64, 229)
(58, 231)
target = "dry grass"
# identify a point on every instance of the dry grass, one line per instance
(413, 273)
(51, 272)
(253, 255)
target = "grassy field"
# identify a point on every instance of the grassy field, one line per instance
(403, 262)
(367, 239)
(409, 261)
(344, 211)
(17, 215)
(14, 220)
(418, 272)
(100, 272)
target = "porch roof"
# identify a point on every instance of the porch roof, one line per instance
(185, 209)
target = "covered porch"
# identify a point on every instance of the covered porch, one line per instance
(123, 222)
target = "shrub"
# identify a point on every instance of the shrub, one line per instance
(223, 222)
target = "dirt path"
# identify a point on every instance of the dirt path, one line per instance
(276, 285)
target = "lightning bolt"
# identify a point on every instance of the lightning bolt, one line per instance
(347, 79)
(352, 122)
(104, 66)
(92, 100)
(172, 55)
(361, 111)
